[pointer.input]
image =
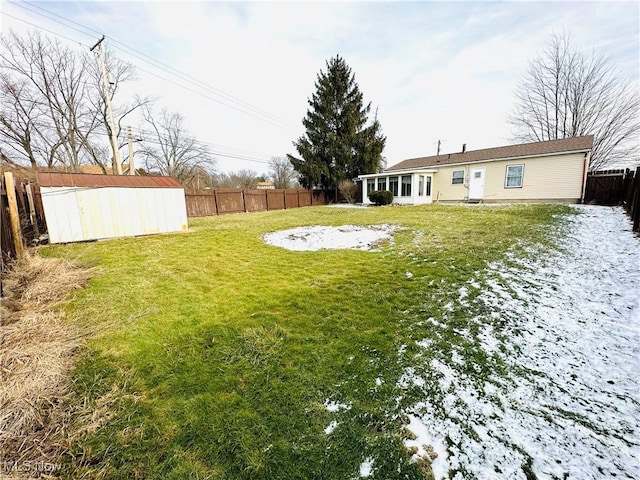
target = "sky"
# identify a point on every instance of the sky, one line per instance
(241, 73)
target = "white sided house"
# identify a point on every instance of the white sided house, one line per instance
(80, 207)
(551, 171)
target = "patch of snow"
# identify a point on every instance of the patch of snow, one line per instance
(366, 467)
(316, 238)
(349, 205)
(331, 427)
(336, 406)
(424, 440)
(565, 328)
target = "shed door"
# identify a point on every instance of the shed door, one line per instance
(476, 183)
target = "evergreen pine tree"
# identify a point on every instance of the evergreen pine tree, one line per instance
(338, 144)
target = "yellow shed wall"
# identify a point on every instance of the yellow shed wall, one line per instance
(557, 177)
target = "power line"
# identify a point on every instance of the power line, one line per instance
(204, 95)
(215, 151)
(237, 104)
(43, 28)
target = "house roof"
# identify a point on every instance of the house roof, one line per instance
(54, 179)
(565, 145)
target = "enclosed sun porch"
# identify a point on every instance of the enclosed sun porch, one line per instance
(409, 188)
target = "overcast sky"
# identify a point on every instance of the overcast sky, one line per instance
(433, 70)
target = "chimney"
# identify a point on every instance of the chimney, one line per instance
(464, 147)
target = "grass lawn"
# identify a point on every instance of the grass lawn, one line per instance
(218, 356)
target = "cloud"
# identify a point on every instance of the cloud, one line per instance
(434, 70)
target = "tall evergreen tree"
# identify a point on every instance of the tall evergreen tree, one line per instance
(338, 143)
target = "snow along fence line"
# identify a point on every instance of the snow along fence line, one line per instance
(616, 187)
(564, 326)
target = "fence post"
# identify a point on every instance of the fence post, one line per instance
(13, 213)
(635, 201)
(215, 201)
(32, 209)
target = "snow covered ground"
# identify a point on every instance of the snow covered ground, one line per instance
(544, 382)
(324, 237)
(562, 336)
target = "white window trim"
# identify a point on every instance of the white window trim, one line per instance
(463, 175)
(411, 193)
(397, 193)
(506, 176)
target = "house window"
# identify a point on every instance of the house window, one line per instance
(421, 185)
(382, 183)
(406, 186)
(428, 186)
(514, 176)
(393, 185)
(457, 177)
(371, 185)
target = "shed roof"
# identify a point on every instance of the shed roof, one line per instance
(54, 179)
(565, 145)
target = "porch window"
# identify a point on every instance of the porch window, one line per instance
(382, 183)
(421, 185)
(457, 177)
(371, 185)
(393, 185)
(406, 186)
(428, 186)
(514, 176)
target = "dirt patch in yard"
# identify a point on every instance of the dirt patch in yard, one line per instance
(37, 352)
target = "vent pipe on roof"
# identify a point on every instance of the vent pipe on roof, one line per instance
(464, 147)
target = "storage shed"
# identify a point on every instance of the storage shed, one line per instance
(81, 207)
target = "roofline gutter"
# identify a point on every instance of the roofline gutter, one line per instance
(385, 174)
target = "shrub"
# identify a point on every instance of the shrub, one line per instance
(348, 189)
(381, 197)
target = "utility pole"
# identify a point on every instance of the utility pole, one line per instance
(132, 170)
(117, 167)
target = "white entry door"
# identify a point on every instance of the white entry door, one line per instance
(476, 183)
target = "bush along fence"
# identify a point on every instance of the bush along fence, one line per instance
(207, 202)
(616, 187)
(22, 219)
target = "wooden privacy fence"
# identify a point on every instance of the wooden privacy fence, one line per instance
(616, 187)
(22, 219)
(219, 201)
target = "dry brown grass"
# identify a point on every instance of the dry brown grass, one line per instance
(37, 349)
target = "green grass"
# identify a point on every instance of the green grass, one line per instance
(215, 352)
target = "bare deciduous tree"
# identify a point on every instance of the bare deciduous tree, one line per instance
(349, 190)
(119, 72)
(52, 109)
(566, 93)
(172, 151)
(282, 173)
(247, 179)
(43, 80)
